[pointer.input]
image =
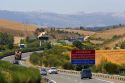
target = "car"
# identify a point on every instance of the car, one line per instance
(86, 73)
(52, 70)
(43, 71)
(16, 62)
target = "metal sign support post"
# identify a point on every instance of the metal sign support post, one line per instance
(40, 43)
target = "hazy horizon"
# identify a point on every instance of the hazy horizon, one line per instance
(64, 6)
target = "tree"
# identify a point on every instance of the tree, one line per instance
(40, 29)
(88, 46)
(22, 41)
(1, 38)
(82, 28)
(7, 40)
(122, 45)
(68, 65)
(27, 39)
(78, 44)
(11, 41)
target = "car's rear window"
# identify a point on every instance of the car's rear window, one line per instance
(88, 71)
(43, 69)
(53, 68)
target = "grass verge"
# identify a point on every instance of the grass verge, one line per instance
(10, 73)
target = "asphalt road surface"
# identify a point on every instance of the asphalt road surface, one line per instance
(24, 56)
(64, 78)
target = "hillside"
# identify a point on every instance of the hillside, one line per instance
(61, 35)
(81, 32)
(65, 20)
(108, 34)
(15, 28)
(105, 34)
(107, 38)
(111, 37)
(114, 42)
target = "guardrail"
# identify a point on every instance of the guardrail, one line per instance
(115, 77)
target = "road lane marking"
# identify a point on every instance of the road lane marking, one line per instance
(104, 80)
(76, 80)
(69, 74)
(81, 82)
(68, 78)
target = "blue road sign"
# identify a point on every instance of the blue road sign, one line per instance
(83, 61)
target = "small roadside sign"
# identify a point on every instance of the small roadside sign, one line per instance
(83, 57)
(44, 38)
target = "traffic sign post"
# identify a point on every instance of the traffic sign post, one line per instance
(43, 38)
(83, 57)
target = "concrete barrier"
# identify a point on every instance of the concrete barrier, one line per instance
(115, 77)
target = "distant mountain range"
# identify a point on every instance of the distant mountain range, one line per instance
(65, 20)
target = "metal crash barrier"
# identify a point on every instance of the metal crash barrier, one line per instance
(115, 77)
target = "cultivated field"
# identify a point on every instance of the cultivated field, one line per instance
(114, 56)
(108, 34)
(113, 43)
(17, 29)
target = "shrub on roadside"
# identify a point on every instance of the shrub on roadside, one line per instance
(10, 73)
(52, 57)
(107, 67)
(35, 59)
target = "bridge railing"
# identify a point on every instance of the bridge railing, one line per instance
(72, 72)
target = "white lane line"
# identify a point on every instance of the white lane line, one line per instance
(82, 82)
(104, 80)
(76, 80)
(68, 78)
(53, 81)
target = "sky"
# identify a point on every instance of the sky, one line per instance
(64, 6)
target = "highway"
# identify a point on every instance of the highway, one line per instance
(24, 56)
(65, 78)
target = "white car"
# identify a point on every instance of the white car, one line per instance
(53, 70)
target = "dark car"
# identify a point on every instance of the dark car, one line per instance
(86, 73)
(16, 62)
(43, 71)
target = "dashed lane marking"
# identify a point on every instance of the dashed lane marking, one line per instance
(104, 80)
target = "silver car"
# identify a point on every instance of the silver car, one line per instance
(43, 71)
